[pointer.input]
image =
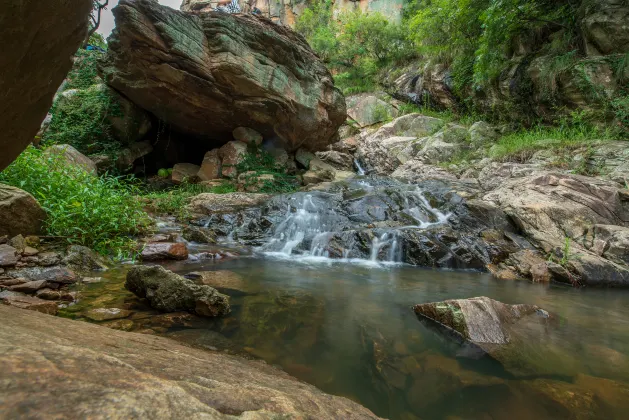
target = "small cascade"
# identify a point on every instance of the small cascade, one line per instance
(386, 240)
(359, 169)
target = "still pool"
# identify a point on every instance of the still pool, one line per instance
(349, 329)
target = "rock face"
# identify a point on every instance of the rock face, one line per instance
(209, 74)
(39, 40)
(20, 213)
(169, 292)
(94, 366)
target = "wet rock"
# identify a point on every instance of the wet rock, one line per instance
(247, 135)
(106, 314)
(91, 280)
(224, 77)
(169, 379)
(220, 279)
(164, 251)
(8, 256)
(50, 294)
(185, 172)
(82, 260)
(232, 154)
(169, 292)
(29, 287)
(199, 235)
(20, 213)
(66, 155)
(31, 303)
(160, 237)
(316, 177)
(211, 166)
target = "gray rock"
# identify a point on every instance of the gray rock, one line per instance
(8, 256)
(169, 292)
(367, 109)
(482, 133)
(81, 259)
(29, 287)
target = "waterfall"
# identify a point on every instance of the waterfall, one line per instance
(359, 169)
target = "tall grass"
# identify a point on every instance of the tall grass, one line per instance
(99, 212)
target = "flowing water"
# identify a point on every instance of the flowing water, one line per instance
(348, 328)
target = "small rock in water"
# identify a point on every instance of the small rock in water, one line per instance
(107, 314)
(92, 280)
(199, 235)
(120, 324)
(164, 251)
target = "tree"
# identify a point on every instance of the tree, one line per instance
(97, 9)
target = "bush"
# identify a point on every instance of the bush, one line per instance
(261, 162)
(99, 212)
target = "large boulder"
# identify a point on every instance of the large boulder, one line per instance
(103, 373)
(169, 292)
(367, 109)
(66, 155)
(606, 27)
(211, 73)
(20, 213)
(38, 41)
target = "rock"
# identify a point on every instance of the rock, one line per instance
(220, 279)
(129, 125)
(159, 251)
(338, 160)
(4, 239)
(611, 242)
(486, 326)
(605, 27)
(304, 157)
(20, 213)
(168, 378)
(493, 174)
(18, 242)
(482, 133)
(47, 259)
(31, 303)
(199, 235)
(316, 177)
(59, 275)
(128, 155)
(91, 280)
(211, 166)
(185, 172)
(209, 203)
(169, 292)
(252, 181)
(8, 256)
(32, 241)
(34, 64)
(367, 109)
(83, 260)
(222, 78)
(106, 314)
(29, 287)
(7, 282)
(66, 155)
(50, 294)
(231, 155)
(248, 136)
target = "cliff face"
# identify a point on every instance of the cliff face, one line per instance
(38, 41)
(288, 11)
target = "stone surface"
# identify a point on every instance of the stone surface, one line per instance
(338, 160)
(248, 136)
(209, 74)
(66, 155)
(8, 256)
(106, 314)
(20, 213)
(199, 235)
(220, 279)
(29, 287)
(482, 133)
(59, 275)
(169, 292)
(209, 203)
(606, 27)
(211, 166)
(159, 251)
(612, 242)
(31, 303)
(81, 259)
(231, 155)
(38, 43)
(131, 153)
(367, 109)
(185, 172)
(109, 373)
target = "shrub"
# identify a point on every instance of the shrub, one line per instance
(99, 212)
(260, 162)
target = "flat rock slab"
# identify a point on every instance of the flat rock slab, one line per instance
(164, 251)
(31, 303)
(104, 373)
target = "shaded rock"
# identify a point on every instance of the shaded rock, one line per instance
(185, 172)
(169, 379)
(29, 287)
(130, 124)
(211, 166)
(199, 235)
(158, 251)
(248, 136)
(8, 256)
(82, 260)
(231, 155)
(31, 303)
(33, 65)
(128, 155)
(338, 160)
(605, 27)
(304, 157)
(222, 76)
(367, 109)
(20, 213)
(66, 155)
(611, 242)
(106, 314)
(169, 292)
(209, 203)
(18, 242)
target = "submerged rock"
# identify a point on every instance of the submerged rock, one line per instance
(115, 374)
(169, 292)
(208, 74)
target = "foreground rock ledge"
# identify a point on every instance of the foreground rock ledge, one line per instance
(209, 74)
(100, 373)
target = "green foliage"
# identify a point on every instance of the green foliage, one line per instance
(99, 212)
(175, 200)
(356, 46)
(260, 162)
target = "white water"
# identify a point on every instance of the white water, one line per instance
(306, 233)
(359, 169)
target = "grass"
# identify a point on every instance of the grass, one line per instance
(260, 162)
(99, 212)
(175, 200)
